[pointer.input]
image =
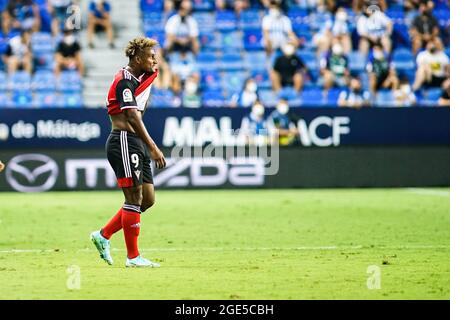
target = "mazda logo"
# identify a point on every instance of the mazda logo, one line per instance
(21, 166)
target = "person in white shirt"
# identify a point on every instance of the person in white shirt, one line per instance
(277, 29)
(18, 53)
(403, 95)
(433, 66)
(334, 28)
(374, 27)
(182, 30)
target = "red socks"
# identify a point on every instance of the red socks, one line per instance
(114, 225)
(131, 227)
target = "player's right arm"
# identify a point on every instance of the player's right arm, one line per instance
(127, 103)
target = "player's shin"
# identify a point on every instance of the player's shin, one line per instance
(131, 228)
(114, 225)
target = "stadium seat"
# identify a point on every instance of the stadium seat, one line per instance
(213, 98)
(356, 62)
(206, 21)
(233, 81)
(332, 97)
(298, 16)
(403, 59)
(152, 21)
(442, 16)
(268, 98)
(249, 19)
(253, 39)
(207, 60)
(312, 98)
(162, 98)
(71, 100)
(262, 78)
(203, 5)
(42, 43)
(255, 60)
(45, 100)
(3, 81)
(303, 32)
(210, 79)
(210, 41)
(397, 15)
(384, 98)
(19, 81)
(152, 5)
(44, 62)
(69, 82)
(158, 35)
(22, 99)
(430, 97)
(5, 100)
(231, 41)
(309, 59)
(44, 81)
(231, 62)
(401, 36)
(226, 21)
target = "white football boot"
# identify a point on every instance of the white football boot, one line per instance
(103, 246)
(140, 262)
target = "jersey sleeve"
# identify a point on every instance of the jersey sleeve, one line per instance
(125, 95)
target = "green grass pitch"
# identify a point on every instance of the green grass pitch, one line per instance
(240, 244)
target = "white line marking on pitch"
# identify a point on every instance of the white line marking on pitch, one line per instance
(406, 247)
(429, 192)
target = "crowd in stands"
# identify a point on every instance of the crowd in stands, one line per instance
(306, 52)
(41, 63)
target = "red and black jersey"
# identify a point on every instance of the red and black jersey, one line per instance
(128, 92)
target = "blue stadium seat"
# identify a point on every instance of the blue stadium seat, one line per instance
(44, 81)
(298, 16)
(292, 96)
(152, 21)
(384, 98)
(332, 97)
(71, 100)
(268, 98)
(151, 5)
(430, 97)
(213, 98)
(397, 15)
(401, 36)
(312, 98)
(443, 16)
(203, 5)
(255, 60)
(253, 39)
(69, 82)
(162, 98)
(44, 61)
(42, 43)
(206, 21)
(226, 21)
(158, 35)
(233, 81)
(262, 78)
(22, 99)
(46, 18)
(45, 100)
(231, 62)
(309, 59)
(207, 60)
(356, 61)
(231, 41)
(403, 59)
(5, 100)
(249, 19)
(19, 81)
(3, 81)
(303, 32)
(210, 41)
(210, 79)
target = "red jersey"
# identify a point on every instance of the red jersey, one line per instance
(129, 92)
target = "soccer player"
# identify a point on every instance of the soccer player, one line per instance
(129, 149)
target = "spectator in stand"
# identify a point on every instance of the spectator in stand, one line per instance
(254, 127)
(59, 11)
(248, 96)
(20, 15)
(164, 78)
(404, 95)
(433, 66)
(424, 27)
(444, 100)
(288, 70)
(191, 98)
(183, 66)
(277, 29)
(355, 97)
(182, 30)
(18, 53)
(374, 27)
(358, 5)
(68, 54)
(281, 128)
(335, 28)
(99, 19)
(334, 68)
(237, 5)
(382, 74)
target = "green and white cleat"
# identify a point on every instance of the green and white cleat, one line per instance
(103, 246)
(140, 262)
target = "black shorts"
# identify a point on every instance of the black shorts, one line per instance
(130, 159)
